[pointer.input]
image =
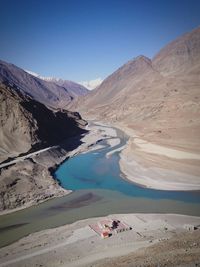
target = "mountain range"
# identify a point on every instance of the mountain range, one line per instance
(75, 89)
(156, 101)
(158, 98)
(33, 117)
(54, 93)
(28, 125)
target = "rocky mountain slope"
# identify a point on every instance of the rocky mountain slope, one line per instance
(54, 93)
(26, 124)
(75, 88)
(158, 98)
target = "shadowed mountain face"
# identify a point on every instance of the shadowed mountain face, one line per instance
(55, 93)
(75, 89)
(159, 98)
(27, 124)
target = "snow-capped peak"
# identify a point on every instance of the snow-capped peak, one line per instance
(49, 79)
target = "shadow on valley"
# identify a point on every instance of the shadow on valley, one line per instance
(43, 126)
(54, 128)
(78, 202)
(13, 226)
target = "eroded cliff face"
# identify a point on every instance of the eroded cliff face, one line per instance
(17, 127)
(28, 183)
(27, 126)
(54, 93)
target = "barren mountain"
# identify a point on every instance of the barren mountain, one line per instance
(54, 93)
(158, 98)
(157, 103)
(75, 88)
(27, 124)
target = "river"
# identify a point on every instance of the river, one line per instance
(99, 189)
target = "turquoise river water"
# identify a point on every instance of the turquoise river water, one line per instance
(99, 189)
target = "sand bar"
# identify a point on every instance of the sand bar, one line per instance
(114, 150)
(159, 167)
(155, 177)
(161, 150)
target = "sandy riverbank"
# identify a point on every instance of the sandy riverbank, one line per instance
(30, 181)
(114, 150)
(78, 245)
(164, 151)
(156, 166)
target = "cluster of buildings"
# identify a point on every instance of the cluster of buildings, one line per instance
(106, 228)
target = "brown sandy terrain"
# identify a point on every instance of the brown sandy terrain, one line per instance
(181, 250)
(160, 167)
(78, 245)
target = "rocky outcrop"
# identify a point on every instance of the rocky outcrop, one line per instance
(27, 183)
(27, 125)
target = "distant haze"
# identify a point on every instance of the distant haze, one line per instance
(52, 92)
(50, 79)
(91, 84)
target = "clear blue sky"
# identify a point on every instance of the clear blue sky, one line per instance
(82, 39)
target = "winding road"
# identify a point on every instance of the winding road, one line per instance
(25, 157)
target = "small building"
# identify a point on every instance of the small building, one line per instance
(122, 227)
(105, 234)
(107, 227)
(189, 227)
(105, 224)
